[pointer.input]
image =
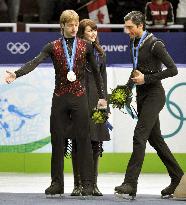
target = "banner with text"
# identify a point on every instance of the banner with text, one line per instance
(22, 47)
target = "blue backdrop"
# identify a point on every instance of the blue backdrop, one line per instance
(22, 47)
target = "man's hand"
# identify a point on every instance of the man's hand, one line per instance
(10, 77)
(102, 104)
(138, 79)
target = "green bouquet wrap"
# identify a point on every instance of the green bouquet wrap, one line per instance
(99, 116)
(120, 97)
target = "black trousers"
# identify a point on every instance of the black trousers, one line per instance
(66, 108)
(149, 104)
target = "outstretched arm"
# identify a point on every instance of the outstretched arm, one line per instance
(29, 66)
(10, 77)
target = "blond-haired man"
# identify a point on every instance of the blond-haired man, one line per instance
(69, 55)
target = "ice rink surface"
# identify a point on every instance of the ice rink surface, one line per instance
(28, 189)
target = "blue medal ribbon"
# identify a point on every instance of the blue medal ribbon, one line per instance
(135, 57)
(70, 60)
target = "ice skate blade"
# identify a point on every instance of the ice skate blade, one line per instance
(167, 196)
(88, 197)
(179, 199)
(51, 196)
(125, 196)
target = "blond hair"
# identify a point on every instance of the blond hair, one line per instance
(67, 16)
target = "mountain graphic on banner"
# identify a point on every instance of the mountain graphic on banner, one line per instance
(98, 11)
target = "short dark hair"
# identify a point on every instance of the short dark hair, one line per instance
(137, 17)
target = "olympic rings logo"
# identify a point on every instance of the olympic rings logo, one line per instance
(18, 48)
(170, 104)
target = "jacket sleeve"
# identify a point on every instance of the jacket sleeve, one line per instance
(160, 52)
(31, 65)
(103, 73)
(148, 15)
(97, 76)
(170, 16)
(130, 83)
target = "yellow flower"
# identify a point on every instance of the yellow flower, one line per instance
(119, 96)
(99, 115)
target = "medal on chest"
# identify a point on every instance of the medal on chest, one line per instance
(71, 76)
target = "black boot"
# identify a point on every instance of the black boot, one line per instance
(77, 186)
(126, 188)
(96, 191)
(168, 191)
(55, 188)
(87, 188)
(77, 181)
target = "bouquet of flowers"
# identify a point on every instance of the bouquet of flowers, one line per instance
(99, 115)
(120, 96)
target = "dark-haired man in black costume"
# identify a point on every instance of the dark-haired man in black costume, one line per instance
(148, 54)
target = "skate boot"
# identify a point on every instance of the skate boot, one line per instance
(96, 191)
(87, 189)
(77, 180)
(77, 187)
(127, 190)
(55, 188)
(168, 191)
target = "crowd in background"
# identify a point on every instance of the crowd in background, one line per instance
(48, 11)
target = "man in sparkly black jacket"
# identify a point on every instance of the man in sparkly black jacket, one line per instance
(148, 54)
(69, 55)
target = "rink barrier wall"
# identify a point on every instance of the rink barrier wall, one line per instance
(110, 162)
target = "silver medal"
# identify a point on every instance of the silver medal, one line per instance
(71, 76)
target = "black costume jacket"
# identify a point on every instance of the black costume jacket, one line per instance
(98, 132)
(84, 53)
(152, 56)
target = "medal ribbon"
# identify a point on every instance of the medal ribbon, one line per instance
(135, 57)
(70, 60)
